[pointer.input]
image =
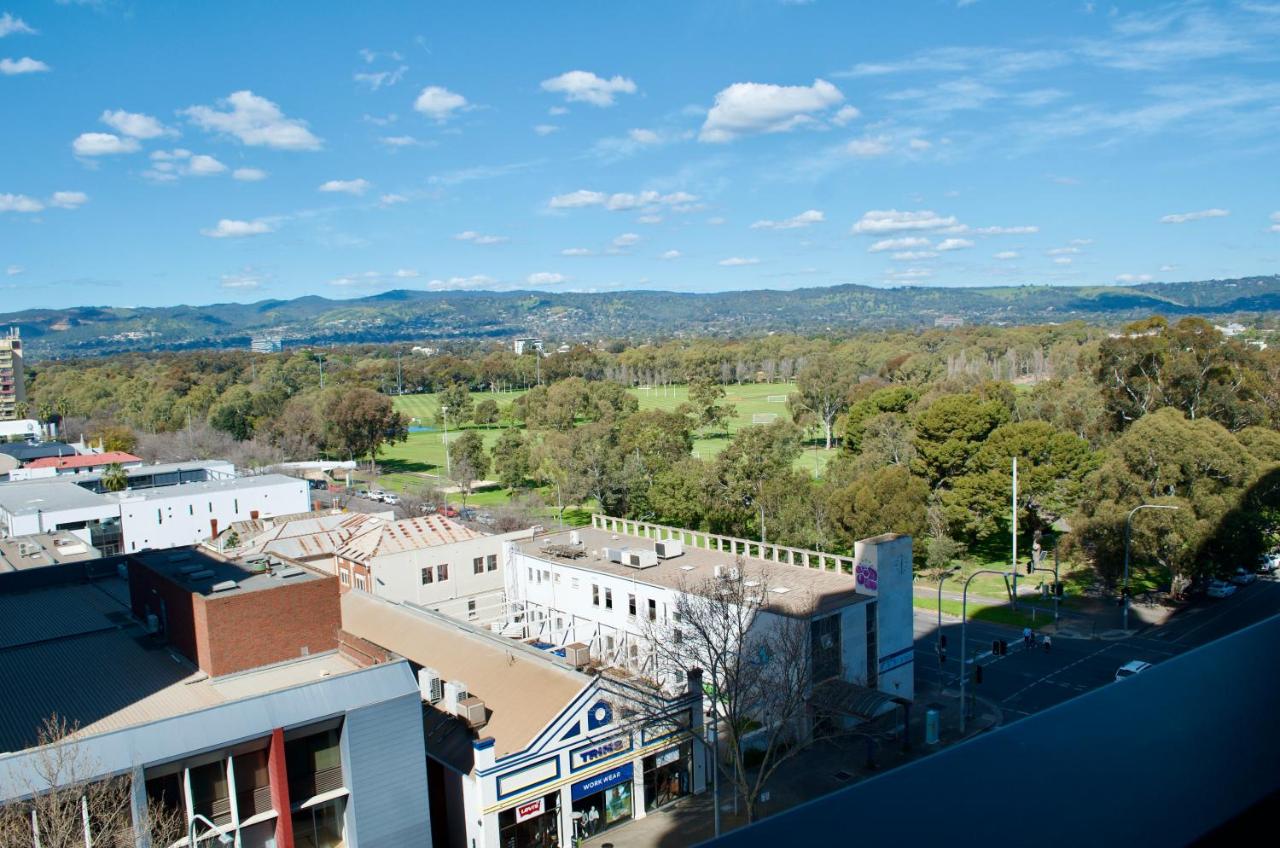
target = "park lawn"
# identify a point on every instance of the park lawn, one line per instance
(998, 613)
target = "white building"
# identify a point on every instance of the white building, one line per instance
(524, 749)
(164, 506)
(602, 586)
(432, 562)
(523, 345)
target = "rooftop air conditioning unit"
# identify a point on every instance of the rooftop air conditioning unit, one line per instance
(472, 711)
(615, 554)
(719, 571)
(431, 685)
(642, 559)
(455, 692)
(668, 548)
(225, 586)
(575, 538)
(577, 654)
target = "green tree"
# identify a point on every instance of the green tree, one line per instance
(115, 478)
(680, 492)
(468, 460)
(743, 470)
(872, 402)
(885, 500)
(233, 413)
(704, 401)
(486, 413)
(359, 422)
(822, 388)
(512, 460)
(951, 430)
(455, 405)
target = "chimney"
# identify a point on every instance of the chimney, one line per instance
(695, 682)
(213, 528)
(253, 514)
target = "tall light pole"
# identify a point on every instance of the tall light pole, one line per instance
(223, 837)
(444, 416)
(1124, 590)
(964, 632)
(1014, 512)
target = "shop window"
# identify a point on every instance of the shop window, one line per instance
(667, 776)
(533, 824)
(210, 791)
(314, 764)
(604, 809)
(320, 826)
(253, 786)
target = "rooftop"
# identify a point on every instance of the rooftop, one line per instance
(302, 536)
(88, 460)
(522, 690)
(205, 574)
(409, 534)
(26, 452)
(24, 497)
(793, 589)
(41, 549)
(75, 650)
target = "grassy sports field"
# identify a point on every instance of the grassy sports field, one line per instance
(421, 459)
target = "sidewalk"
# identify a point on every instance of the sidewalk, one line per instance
(826, 767)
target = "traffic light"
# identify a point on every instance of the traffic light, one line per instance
(995, 647)
(1031, 567)
(1058, 589)
(942, 658)
(977, 674)
(942, 641)
(1004, 648)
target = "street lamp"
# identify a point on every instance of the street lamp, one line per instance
(964, 632)
(1124, 591)
(223, 837)
(444, 415)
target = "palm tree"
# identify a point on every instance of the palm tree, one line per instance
(114, 478)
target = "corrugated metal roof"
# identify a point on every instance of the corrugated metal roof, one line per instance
(409, 534)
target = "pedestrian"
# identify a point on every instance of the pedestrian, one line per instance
(1026, 637)
(1048, 643)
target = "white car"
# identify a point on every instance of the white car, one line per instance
(390, 499)
(1131, 668)
(1269, 563)
(1243, 578)
(1220, 589)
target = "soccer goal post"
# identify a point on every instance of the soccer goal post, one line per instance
(777, 398)
(763, 417)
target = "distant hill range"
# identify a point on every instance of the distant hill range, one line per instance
(422, 316)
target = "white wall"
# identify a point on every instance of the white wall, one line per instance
(22, 525)
(182, 514)
(891, 559)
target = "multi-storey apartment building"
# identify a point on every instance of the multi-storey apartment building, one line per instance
(13, 390)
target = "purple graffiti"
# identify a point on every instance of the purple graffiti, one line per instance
(867, 576)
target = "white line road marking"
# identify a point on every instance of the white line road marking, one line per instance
(1046, 677)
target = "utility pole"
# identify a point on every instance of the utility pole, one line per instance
(399, 375)
(321, 356)
(1013, 603)
(444, 416)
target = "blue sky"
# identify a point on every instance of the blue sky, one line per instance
(154, 153)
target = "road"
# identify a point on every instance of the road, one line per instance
(1026, 682)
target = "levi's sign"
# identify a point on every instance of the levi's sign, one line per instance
(524, 812)
(580, 758)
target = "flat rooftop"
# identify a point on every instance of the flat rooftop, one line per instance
(75, 651)
(26, 497)
(200, 572)
(793, 589)
(41, 549)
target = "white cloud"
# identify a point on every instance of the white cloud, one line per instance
(14, 270)
(903, 243)
(103, 144)
(135, 125)
(392, 199)
(642, 136)
(68, 199)
(545, 129)
(356, 186)
(1133, 278)
(475, 281)
(203, 166)
(626, 240)
(25, 65)
(919, 144)
(868, 146)
(9, 25)
(914, 255)
(376, 80)
(586, 87)
(1275, 223)
(406, 273)
(845, 115)
(240, 281)
(671, 254)
(1184, 217)
(1062, 251)
(621, 201)
(480, 238)
(745, 108)
(954, 244)
(399, 140)
(886, 221)
(649, 219)
(1062, 260)
(1167, 268)
(19, 203)
(255, 121)
(578, 198)
(1006, 231)
(738, 261)
(546, 278)
(249, 175)
(911, 274)
(229, 228)
(575, 251)
(1007, 254)
(439, 103)
(804, 219)
(625, 200)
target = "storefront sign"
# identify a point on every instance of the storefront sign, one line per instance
(667, 757)
(580, 758)
(531, 810)
(601, 782)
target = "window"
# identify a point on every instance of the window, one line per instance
(546, 575)
(477, 565)
(236, 503)
(442, 572)
(653, 610)
(345, 577)
(631, 605)
(314, 765)
(159, 517)
(253, 787)
(595, 594)
(493, 562)
(428, 576)
(824, 647)
(320, 826)
(608, 599)
(608, 644)
(360, 582)
(471, 609)
(191, 510)
(557, 577)
(210, 791)
(678, 636)
(573, 582)
(531, 575)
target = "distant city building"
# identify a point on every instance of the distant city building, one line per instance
(526, 344)
(423, 351)
(13, 388)
(949, 322)
(162, 506)
(213, 690)
(1231, 330)
(58, 466)
(266, 344)
(26, 429)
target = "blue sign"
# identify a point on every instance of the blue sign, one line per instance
(601, 782)
(599, 715)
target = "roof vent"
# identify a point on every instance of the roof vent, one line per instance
(225, 586)
(200, 575)
(291, 571)
(180, 556)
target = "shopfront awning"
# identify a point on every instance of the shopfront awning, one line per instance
(840, 697)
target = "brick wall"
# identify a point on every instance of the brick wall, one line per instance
(271, 625)
(181, 614)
